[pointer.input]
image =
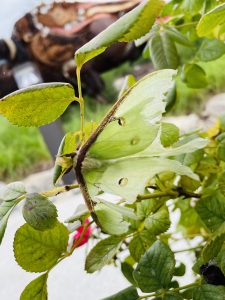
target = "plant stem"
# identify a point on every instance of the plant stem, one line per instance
(59, 190)
(189, 249)
(187, 24)
(171, 290)
(81, 102)
(157, 195)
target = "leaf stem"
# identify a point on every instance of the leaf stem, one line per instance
(81, 102)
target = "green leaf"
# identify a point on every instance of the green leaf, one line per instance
(172, 296)
(36, 289)
(169, 134)
(37, 105)
(129, 293)
(38, 251)
(140, 243)
(66, 148)
(127, 271)
(146, 207)
(155, 269)
(178, 37)
(171, 98)
(180, 270)
(123, 210)
(163, 52)
(212, 23)
(212, 211)
(192, 6)
(39, 212)
(130, 27)
(220, 259)
(209, 292)
(102, 253)
(158, 222)
(221, 150)
(5, 211)
(110, 220)
(210, 50)
(194, 76)
(212, 248)
(12, 191)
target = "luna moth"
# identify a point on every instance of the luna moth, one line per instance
(124, 151)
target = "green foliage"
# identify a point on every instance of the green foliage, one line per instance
(38, 251)
(134, 155)
(36, 289)
(39, 212)
(194, 76)
(102, 253)
(169, 134)
(127, 294)
(110, 220)
(12, 191)
(155, 269)
(6, 208)
(130, 27)
(209, 292)
(140, 244)
(37, 105)
(212, 23)
(212, 211)
(163, 52)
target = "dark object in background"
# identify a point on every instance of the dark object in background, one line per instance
(50, 34)
(212, 274)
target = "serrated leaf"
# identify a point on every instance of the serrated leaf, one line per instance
(163, 52)
(212, 211)
(39, 212)
(155, 269)
(210, 50)
(38, 251)
(169, 134)
(194, 76)
(212, 248)
(158, 222)
(127, 271)
(12, 191)
(37, 105)
(209, 292)
(5, 210)
(102, 253)
(140, 244)
(129, 293)
(67, 146)
(212, 23)
(146, 207)
(110, 220)
(36, 289)
(130, 27)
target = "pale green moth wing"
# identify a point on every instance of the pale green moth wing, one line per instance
(133, 123)
(128, 177)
